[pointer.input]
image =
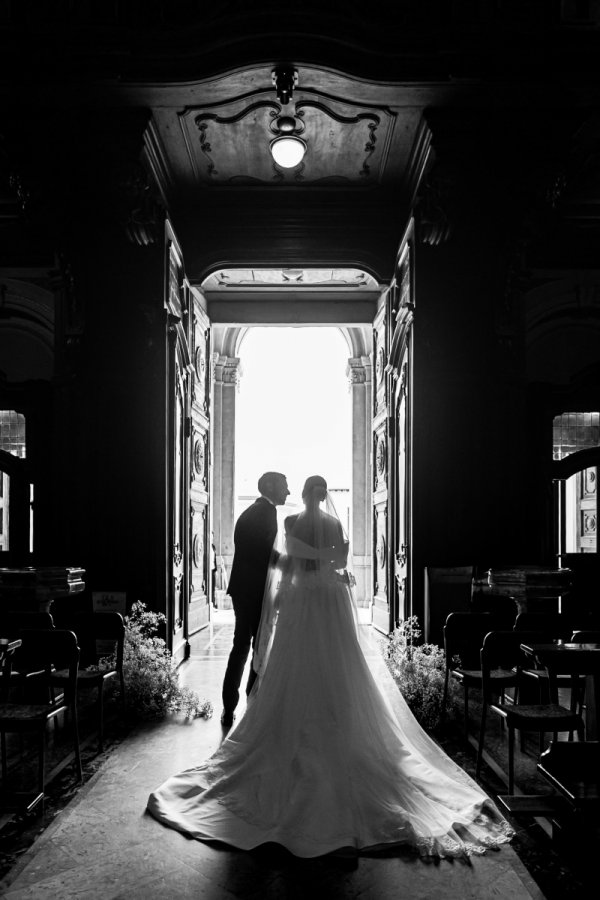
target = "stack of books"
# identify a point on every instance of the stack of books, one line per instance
(61, 580)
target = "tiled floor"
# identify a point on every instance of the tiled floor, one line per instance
(104, 845)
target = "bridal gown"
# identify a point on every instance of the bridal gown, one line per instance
(320, 762)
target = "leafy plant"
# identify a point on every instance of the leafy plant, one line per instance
(419, 671)
(152, 686)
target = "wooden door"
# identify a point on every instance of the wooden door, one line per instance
(401, 433)
(200, 556)
(187, 502)
(381, 593)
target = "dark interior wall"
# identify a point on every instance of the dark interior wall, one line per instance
(113, 505)
(470, 481)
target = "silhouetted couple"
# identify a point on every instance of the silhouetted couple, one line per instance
(320, 761)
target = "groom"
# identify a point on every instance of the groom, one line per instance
(254, 535)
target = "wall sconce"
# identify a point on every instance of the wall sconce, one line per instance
(287, 149)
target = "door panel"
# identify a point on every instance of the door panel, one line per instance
(381, 606)
(400, 367)
(199, 575)
(188, 408)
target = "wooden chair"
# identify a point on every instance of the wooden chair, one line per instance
(25, 664)
(51, 648)
(501, 649)
(99, 635)
(463, 637)
(544, 628)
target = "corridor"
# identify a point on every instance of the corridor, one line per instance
(104, 845)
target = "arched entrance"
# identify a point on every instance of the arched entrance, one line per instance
(226, 342)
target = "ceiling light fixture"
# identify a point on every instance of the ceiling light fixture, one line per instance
(287, 149)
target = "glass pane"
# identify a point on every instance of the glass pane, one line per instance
(4, 520)
(12, 432)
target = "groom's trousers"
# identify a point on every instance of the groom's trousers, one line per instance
(247, 619)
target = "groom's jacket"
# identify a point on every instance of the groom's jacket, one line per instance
(254, 536)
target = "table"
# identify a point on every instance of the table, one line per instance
(574, 659)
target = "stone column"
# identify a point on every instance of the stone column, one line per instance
(359, 375)
(227, 372)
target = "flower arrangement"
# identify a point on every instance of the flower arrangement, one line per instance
(152, 686)
(419, 671)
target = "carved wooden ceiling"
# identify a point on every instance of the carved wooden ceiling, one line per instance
(347, 143)
(354, 137)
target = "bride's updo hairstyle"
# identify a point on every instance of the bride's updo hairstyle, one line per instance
(316, 487)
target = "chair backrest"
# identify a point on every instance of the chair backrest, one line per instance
(14, 623)
(99, 634)
(464, 634)
(551, 625)
(56, 648)
(500, 650)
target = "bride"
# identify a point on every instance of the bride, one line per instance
(319, 762)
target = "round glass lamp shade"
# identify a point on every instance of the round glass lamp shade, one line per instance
(288, 151)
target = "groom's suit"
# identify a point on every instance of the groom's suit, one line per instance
(254, 535)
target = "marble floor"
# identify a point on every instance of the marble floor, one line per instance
(104, 845)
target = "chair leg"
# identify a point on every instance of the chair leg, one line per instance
(574, 699)
(466, 705)
(75, 725)
(511, 759)
(42, 766)
(481, 737)
(4, 766)
(100, 716)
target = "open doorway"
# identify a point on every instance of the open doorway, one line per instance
(295, 399)
(294, 413)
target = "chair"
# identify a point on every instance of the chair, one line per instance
(99, 635)
(463, 636)
(545, 628)
(51, 648)
(502, 649)
(25, 665)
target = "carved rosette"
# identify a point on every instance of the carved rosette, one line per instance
(199, 460)
(198, 517)
(380, 459)
(589, 524)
